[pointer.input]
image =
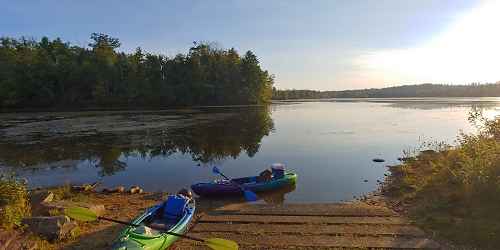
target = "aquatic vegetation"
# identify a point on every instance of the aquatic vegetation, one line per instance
(14, 201)
(455, 191)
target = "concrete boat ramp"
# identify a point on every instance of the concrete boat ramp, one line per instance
(308, 226)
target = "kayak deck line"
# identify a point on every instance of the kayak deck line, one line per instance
(319, 225)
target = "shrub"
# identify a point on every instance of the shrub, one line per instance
(14, 201)
(455, 191)
(62, 192)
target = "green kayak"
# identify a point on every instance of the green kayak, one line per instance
(174, 215)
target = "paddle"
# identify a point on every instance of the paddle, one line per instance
(249, 195)
(85, 214)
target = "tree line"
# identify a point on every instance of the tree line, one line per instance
(55, 74)
(419, 90)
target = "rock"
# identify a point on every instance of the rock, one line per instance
(43, 196)
(61, 205)
(405, 159)
(135, 190)
(37, 199)
(378, 160)
(119, 189)
(50, 227)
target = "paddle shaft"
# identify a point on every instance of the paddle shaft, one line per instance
(153, 227)
(249, 195)
(225, 177)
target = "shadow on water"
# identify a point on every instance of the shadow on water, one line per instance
(64, 141)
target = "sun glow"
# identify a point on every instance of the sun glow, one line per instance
(467, 52)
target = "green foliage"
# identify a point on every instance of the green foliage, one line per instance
(62, 192)
(65, 192)
(421, 90)
(14, 201)
(53, 73)
(455, 191)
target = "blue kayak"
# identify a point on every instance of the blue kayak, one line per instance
(229, 188)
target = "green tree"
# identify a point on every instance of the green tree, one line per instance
(54, 73)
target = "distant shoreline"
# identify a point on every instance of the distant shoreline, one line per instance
(403, 91)
(384, 98)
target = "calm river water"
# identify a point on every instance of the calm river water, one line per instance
(330, 144)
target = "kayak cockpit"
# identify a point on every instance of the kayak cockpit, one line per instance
(164, 217)
(151, 229)
(276, 172)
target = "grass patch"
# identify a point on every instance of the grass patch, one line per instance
(14, 201)
(454, 191)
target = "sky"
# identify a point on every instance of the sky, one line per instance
(306, 44)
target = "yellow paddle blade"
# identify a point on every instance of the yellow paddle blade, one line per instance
(80, 213)
(221, 244)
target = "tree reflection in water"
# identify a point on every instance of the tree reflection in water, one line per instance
(222, 133)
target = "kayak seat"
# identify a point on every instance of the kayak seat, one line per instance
(265, 176)
(278, 173)
(174, 208)
(160, 225)
(148, 231)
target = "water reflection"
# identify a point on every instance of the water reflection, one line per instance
(274, 197)
(277, 196)
(423, 103)
(207, 136)
(444, 104)
(330, 145)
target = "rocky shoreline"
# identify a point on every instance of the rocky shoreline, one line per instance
(49, 228)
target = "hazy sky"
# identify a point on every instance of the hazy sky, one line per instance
(314, 44)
